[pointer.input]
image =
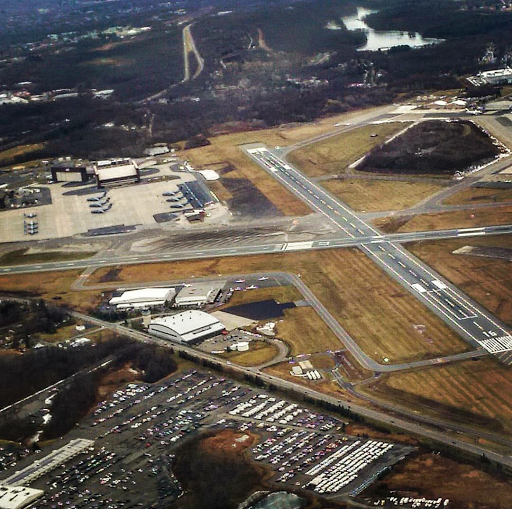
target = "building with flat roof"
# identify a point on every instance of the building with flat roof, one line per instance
(189, 327)
(69, 171)
(143, 298)
(199, 294)
(112, 172)
(17, 497)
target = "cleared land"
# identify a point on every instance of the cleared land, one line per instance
(479, 195)
(432, 476)
(52, 285)
(334, 155)
(434, 147)
(279, 293)
(9, 156)
(459, 219)
(486, 280)
(376, 311)
(225, 151)
(20, 257)
(475, 392)
(378, 195)
(259, 353)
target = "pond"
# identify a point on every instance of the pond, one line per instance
(384, 39)
(280, 500)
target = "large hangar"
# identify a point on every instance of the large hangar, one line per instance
(188, 327)
(113, 172)
(143, 298)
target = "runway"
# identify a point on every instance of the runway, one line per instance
(459, 312)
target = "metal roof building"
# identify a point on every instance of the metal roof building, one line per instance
(116, 171)
(190, 327)
(198, 294)
(144, 297)
(16, 497)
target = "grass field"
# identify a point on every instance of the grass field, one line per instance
(433, 476)
(50, 285)
(9, 156)
(306, 332)
(458, 219)
(334, 155)
(475, 392)
(375, 310)
(20, 257)
(487, 280)
(260, 352)
(479, 195)
(224, 150)
(279, 293)
(379, 195)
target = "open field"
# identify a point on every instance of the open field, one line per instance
(306, 332)
(378, 195)
(9, 156)
(334, 155)
(487, 280)
(435, 147)
(458, 219)
(260, 352)
(52, 285)
(433, 476)
(224, 151)
(20, 256)
(475, 392)
(479, 195)
(375, 310)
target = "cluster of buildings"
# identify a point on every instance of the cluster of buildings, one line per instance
(184, 296)
(495, 77)
(107, 172)
(306, 370)
(24, 96)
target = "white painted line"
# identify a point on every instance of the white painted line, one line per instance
(294, 246)
(418, 288)
(439, 284)
(470, 234)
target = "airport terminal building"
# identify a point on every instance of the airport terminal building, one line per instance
(189, 327)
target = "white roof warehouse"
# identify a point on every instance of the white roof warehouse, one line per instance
(189, 327)
(144, 297)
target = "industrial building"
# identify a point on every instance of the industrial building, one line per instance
(143, 298)
(189, 327)
(51, 461)
(113, 172)
(199, 294)
(66, 170)
(17, 497)
(157, 150)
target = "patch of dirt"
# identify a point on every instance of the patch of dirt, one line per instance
(114, 380)
(227, 441)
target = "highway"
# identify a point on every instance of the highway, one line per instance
(466, 317)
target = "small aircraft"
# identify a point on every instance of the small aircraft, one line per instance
(252, 287)
(186, 285)
(240, 281)
(262, 278)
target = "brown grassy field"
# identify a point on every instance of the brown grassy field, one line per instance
(443, 220)
(432, 476)
(306, 332)
(475, 392)
(279, 293)
(479, 195)
(224, 150)
(334, 155)
(379, 195)
(52, 284)
(260, 352)
(7, 156)
(487, 280)
(375, 310)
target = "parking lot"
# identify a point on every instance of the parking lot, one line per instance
(70, 214)
(137, 430)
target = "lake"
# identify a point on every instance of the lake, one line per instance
(383, 39)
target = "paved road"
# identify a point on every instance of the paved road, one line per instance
(475, 324)
(437, 433)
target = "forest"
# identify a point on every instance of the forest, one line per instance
(434, 147)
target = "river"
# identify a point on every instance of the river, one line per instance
(383, 39)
